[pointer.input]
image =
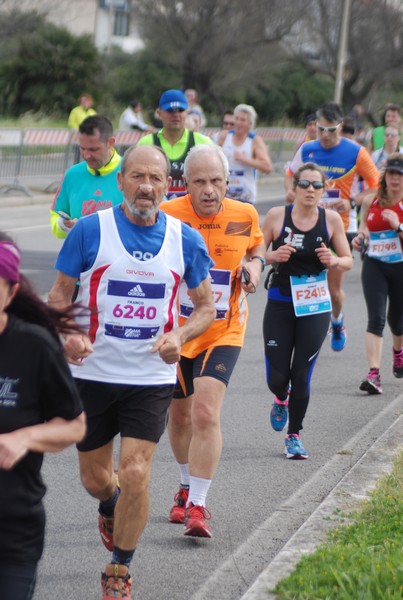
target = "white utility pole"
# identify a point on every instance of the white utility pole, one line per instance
(342, 55)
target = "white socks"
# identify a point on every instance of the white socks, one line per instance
(184, 471)
(198, 490)
(198, 487)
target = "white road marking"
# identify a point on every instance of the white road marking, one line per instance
(30, 228)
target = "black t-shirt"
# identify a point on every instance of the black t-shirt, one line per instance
(35, 386)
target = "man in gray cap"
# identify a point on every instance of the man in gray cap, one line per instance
(174, 138)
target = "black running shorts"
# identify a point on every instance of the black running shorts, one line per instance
(133, 411)
(217, 362)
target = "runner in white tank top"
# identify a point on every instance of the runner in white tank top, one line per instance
(242, 179)
(130, 261)
(246, 152)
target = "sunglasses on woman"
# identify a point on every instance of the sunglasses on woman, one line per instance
(304, 184)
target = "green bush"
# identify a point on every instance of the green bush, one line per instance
(140, 75)
(290, 94)
(47, 72)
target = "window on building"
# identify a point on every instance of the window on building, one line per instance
(121, 15)
(121, 23)
(116, 4)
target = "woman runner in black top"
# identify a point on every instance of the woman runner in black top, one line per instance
(40, 411)
(298, 308)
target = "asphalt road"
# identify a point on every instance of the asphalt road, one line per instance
(258, 498)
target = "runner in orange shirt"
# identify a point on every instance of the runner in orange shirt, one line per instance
(235, 242)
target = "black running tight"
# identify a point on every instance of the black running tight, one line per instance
(292, 345)
(383, 282)
(17, 582)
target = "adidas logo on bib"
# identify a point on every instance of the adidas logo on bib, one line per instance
(136, 291)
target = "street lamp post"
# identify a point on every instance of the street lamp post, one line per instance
(342, 54)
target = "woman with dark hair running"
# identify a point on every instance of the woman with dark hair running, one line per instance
(40, 411)
(381, 232)
(297, 314)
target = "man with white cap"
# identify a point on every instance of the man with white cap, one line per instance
(174, 138)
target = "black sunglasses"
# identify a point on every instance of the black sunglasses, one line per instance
(304, 184)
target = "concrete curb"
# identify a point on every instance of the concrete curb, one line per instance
(353, 488)
(10, 201)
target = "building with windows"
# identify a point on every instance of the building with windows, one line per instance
(108, 22)
(114, 25)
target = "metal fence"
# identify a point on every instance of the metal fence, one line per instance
(38, 158)
(29, 157)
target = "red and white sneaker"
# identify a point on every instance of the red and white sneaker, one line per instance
(105, 526)
(196, 518)
(116, 583)
(177, 512)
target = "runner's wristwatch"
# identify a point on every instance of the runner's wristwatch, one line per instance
(399, 228)
(262, 260)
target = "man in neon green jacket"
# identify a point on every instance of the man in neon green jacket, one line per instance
(174, 138)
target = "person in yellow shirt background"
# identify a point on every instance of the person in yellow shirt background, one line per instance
(77, 115)
(82, 111)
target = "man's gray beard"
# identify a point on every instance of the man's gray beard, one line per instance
(141, 214)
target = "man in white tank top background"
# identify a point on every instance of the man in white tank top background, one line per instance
(247, 153)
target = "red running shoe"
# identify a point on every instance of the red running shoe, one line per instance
(177, 512)
(116, 583)
(105, 526)
(195, 521)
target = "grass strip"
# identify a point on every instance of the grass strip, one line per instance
(361, 561)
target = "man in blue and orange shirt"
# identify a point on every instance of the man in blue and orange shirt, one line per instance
(341, 159)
